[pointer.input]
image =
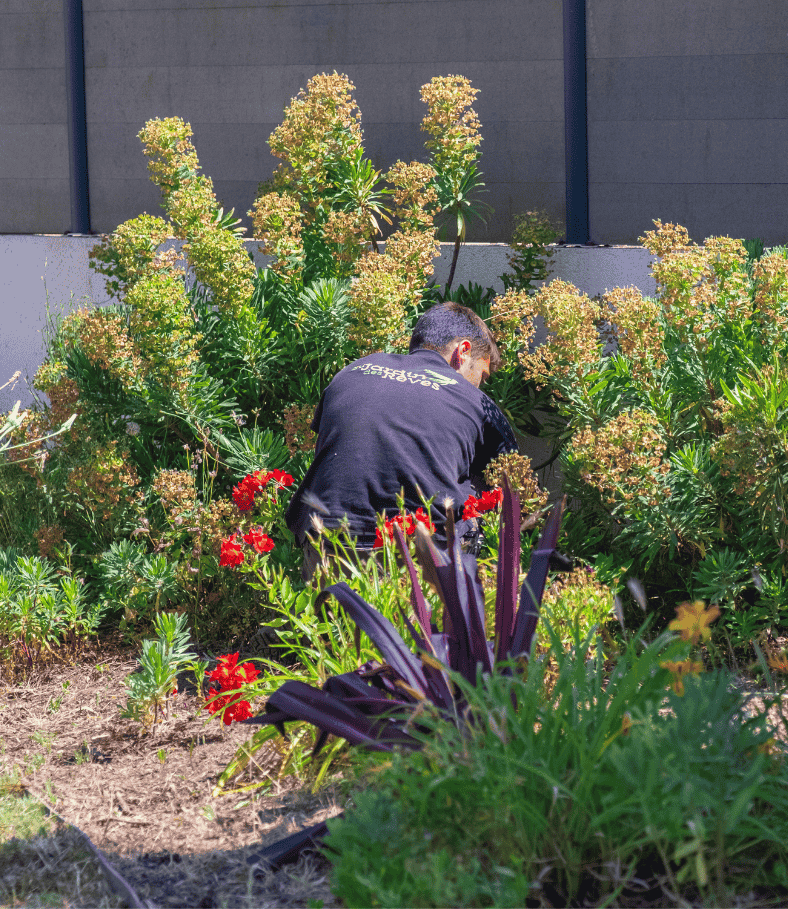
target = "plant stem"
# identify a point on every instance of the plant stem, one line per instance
(454, 258)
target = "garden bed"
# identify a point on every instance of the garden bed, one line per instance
(146, 801)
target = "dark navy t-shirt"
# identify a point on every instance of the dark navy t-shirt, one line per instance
(392, 422)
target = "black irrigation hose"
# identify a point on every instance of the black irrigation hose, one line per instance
(271, 858)
(115, 879)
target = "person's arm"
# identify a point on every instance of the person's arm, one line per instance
(497, 438)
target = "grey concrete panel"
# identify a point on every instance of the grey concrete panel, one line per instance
(646, 28)
(114, 201)
(32, 39)
(510, 199)
(523, 150)
(259, 94)
(688, 151)
(24, 6)
(32, 96)
(119, 5)
(33, 150)
(33, 269)
(736, 86)
(326, 35)
(233, 152)
(738, 210)
(37, 205)
(115, 152)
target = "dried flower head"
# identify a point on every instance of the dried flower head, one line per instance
(451, 122)
(637, 329)
(297, 420)
(278, 222)
(177, 493)
(625, 459)
(49, 539)
(521, 478)
(321, 124)
(573, 343)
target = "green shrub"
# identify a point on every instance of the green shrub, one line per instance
(41, 611)
(151, 688)
(584, 787)
(672, 419)
(204, 370)
(529, 260)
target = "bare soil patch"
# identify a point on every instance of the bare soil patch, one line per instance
(146, 801)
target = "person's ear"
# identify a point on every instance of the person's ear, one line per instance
(463, 351)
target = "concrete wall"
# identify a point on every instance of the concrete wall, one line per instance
(686, 100)
(44, 276)
(230, 68)
(688, 117)
(34, 181)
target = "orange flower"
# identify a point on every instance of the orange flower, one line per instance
(679, 670)
(692, 621)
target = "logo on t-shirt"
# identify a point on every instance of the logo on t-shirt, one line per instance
(430, 380)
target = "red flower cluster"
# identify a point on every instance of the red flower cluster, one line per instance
(230, 676)
(232, 555)
(252, 483)
(475, 508)
(408, 525)
(258, 540)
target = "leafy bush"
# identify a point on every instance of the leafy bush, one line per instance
(529, 260)
(573, 789)
(40, 611)
(151, 688)
(205, 371)
(672, 418)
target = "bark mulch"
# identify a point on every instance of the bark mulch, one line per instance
(146, 801)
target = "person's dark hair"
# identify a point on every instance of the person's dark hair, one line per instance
(446, 323)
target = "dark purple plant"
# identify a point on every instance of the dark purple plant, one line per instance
(373, 705)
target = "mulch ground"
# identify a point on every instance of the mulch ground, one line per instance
(146, 801)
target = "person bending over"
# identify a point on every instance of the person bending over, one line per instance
(415, 423)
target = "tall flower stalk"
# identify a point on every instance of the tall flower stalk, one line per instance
(454, 152)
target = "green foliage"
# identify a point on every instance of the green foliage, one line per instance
(203, 371)
(310, 645)
(573, 605)
(41, 610)
(151, 688)
(572, 789)
(672, 418)
(529, 260)
(135, 583)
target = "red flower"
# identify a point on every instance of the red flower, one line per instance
(245, 492)
(475, 508)
(231, 677)
(281, 478)
(237, 710)
(423, 518)
(408, 525)
(259, 541)
(231, 554)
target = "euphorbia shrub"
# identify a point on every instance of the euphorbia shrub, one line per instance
(205, 371)
(674, 414)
